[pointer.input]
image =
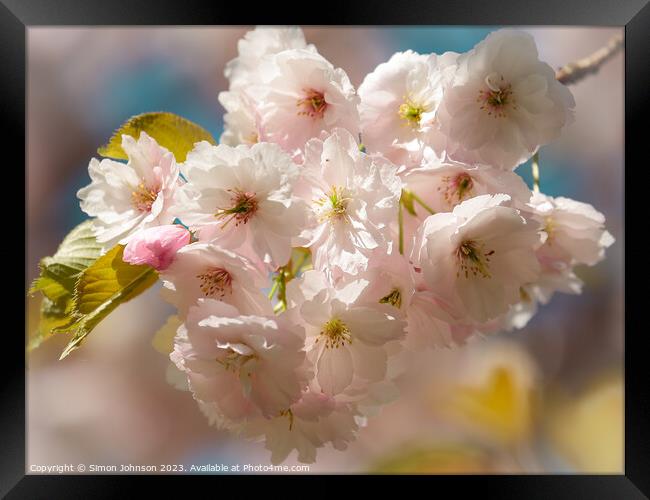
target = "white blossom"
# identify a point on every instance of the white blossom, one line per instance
(503, 103)
(478, 256)
(352, 197)
(126, 198)
(241, 363)
(242, 199)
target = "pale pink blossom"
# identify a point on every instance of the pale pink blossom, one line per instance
(443, 184)
(255, 45)
(300, 95)
(478, 256)
(242, 199)
(241, 363)
(156, 246)
(575, 231)
(399, 100)
(352, 196)
(503, 102)
(203, 270)
(241, 122)
(315, 420)
(127, 198)
(346, 341)
(391, 282)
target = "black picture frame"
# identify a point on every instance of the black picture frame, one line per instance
(16, 16)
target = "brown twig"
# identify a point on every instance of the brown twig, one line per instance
(576, 71)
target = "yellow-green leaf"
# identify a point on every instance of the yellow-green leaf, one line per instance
(52, 315)
(104, 285)
(59, 273)
(171, 131)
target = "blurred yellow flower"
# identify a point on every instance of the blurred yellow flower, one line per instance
(436, 459)
(588, 430)
(496, 393)
(163, 340)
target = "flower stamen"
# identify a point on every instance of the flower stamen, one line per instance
(215, 282)
(334, 205)
(473, 259)
(336, 334)
(394, 298)
(458, 188)
(234, 361)
(244, 206)
(411, 112)
(143, 197)
(497, 97)
(289, 414)
(313, 104)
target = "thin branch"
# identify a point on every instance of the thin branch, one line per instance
(576, 71)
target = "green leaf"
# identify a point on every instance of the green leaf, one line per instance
(59, 273)
(103, 286)
(171, 131)
(53, 314)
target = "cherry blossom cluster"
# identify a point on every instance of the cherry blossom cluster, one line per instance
(401, 194)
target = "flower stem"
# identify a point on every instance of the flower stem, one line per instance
(281, 281)
(400, 220)
(273, 289)
(421, 202)
(535, 169)
(286, 273)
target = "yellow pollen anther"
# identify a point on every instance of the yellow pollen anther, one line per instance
(335, 333)
(143, 197)
(411, 112)
(334, 205)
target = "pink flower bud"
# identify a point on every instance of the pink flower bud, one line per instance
(156, 246)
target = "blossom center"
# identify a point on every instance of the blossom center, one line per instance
(394, 298)
(335, 333)
(237, 362)
(497, 96)
(458, 188)
(244, 206)
(215, 282)
(473, 259)
(411, 112)
(313, 104)
(143, 197)
(334, 205)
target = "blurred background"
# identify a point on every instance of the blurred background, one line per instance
(548, 398)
